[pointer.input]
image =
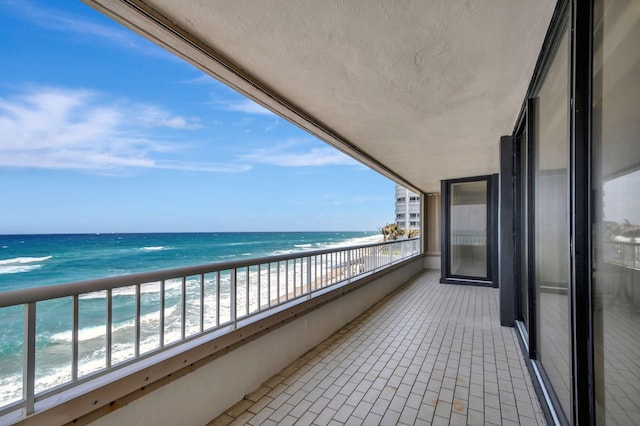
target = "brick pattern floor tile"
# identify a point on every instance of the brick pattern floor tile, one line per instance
(429, 353)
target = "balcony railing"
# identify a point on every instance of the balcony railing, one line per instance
(620, 253)
(106, 324)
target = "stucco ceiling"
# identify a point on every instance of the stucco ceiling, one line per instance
(421, 90)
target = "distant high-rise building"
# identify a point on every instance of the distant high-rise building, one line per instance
(407, 208)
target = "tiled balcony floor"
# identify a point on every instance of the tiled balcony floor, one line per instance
(428, 354)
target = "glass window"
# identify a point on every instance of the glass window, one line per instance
(551, 225)
(616, 229)
(468, 232)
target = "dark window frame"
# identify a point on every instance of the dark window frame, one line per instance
(491, 280)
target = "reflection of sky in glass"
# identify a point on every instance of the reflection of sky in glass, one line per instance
(622, 198)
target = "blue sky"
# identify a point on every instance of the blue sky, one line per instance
(102, 131)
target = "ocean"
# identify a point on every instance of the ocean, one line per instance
(40, 260)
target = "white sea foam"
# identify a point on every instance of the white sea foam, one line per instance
(99, 331)
(21, 264)
(23, 260)
(283, 252)
(153, 248)
(352, 242)
(371, 239)
(14, 269)
(90, 333)
(147, 288)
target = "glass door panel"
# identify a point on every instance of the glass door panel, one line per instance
(469, 230)
(551, 236)
(616, 228)
(468, 218)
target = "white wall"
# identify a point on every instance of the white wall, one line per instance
(202, 395)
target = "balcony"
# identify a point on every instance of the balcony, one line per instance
(426, 354)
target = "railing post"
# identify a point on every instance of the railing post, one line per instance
(233, 284)
(286, 280)
(259, 285)
(183, 308)
(295, 262)
(108, 336)
(348, 265)
(201, 303)
(247, 290)
(278, 282)
(269, 284)
(309, 276)
(75, 320)
(137, 329)
(29, 369)
(218, 304)
(162, 308)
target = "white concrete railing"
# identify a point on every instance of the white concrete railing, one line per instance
(117, 321)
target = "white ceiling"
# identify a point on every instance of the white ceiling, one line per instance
(419, 89)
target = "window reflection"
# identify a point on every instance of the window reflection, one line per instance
(469, 229)
(551, 225)
(616, 165)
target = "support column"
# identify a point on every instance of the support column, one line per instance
(432, 230)
(507, 232)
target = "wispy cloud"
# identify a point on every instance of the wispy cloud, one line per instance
(54, 128)
(202, 167)
(155, 117)
(272, 125)
(45, 16)
(296, 154)
(201, 79)
(249, 107)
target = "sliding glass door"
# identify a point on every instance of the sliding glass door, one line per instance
(616, 227)
(551, 225)
(469, 237)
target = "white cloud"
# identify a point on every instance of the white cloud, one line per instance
(155, 117)
(203, 167)
(273, 125)
(250, 107)
(290, 155)
(201, 79)
(53, 128)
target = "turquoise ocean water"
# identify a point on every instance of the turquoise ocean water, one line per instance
(39, 260)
